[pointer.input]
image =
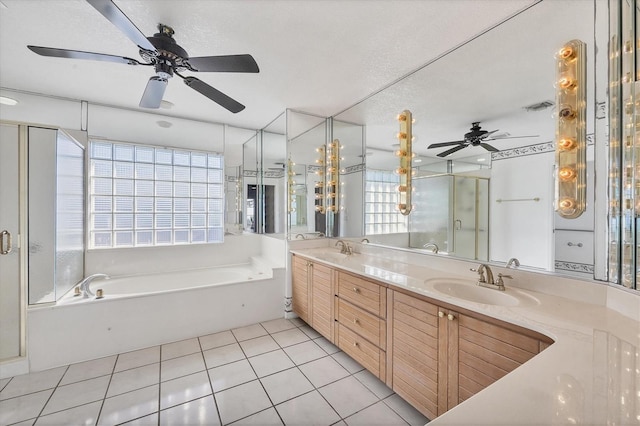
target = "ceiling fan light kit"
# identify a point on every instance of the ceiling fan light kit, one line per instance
(571, 130)
(167, 57)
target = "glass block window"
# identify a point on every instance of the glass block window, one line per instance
(147, 196)
(381, 204)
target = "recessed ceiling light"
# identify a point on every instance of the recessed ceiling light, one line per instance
(164, 124)
(166, 104)
(7, 101)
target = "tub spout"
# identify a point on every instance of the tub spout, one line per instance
(84, 284)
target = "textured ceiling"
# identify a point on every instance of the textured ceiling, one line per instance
(320, 56)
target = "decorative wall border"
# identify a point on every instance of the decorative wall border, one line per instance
(353, 169)
(531, 149)
(574, 267)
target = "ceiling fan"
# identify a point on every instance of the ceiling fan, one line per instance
(477, 136)
(163, 53)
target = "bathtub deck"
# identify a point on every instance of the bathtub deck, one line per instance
(274, 372)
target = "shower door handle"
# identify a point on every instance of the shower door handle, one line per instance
(5, 248)
(458, 223)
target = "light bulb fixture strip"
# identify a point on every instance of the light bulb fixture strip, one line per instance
(405, 155)
(290, 186)
(571, 130)
(319, 185)
(333, 175)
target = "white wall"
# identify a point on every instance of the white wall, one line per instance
(351, 204)
(522, 229)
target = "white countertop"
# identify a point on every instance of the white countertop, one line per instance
(589, 376)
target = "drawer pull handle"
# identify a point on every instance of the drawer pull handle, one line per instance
(441, 314)
(450, 317)
(356, 321)
(570, 244)
(356, 289)
(356, 344)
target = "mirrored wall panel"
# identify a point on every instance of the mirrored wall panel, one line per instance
(484, 132)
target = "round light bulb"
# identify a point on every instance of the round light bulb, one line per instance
(567, 173)
(566, 144)
(567, 204)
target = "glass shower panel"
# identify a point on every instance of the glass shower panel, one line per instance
(431, 218)
(69, 213)
(482, 216)
(464, 217)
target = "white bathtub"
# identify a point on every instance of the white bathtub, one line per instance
(153, 309)
(138, 285)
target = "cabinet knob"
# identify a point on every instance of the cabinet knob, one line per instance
(356, 321)
(570, 244)
(356, 344)
(450, 317)
(356, 290)
(441, 314)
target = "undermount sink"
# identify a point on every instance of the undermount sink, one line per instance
(467, 290)
(333, 257)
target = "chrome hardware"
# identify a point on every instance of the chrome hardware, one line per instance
(301, 236)
(9, 246)
(356, 289)
(76, 291)
(458, 223)
(99, 293)
(488, 281)
(451, 317)
(500, 282)
(84, 284)
(345, 248)
(433, 246)
(441, 314)
(513, 261)
(365, 240)
(570, 244)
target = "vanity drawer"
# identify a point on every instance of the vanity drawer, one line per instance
(574, 246)
(366, 353)
(362, 322)
(365, 294)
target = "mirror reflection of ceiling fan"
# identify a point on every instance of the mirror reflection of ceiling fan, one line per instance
(476, 137)
(163, 53)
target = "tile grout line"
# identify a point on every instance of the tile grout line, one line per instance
(213, 395)
(51, 396)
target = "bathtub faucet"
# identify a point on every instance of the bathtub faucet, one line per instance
(84, 284)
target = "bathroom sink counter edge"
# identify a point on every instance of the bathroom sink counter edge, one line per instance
(558, 385)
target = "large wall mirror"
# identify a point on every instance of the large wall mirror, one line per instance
(469, 202)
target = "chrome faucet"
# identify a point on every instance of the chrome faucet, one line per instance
(489, 281)
(345, 249)
(84, 284)
(300, 236)
(513, 261)
(365, 240)
(433, 246)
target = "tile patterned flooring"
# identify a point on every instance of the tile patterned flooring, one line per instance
(273, 373)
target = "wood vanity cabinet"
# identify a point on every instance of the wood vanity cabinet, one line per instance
(442, 355)
(360, 321)
(312, 294)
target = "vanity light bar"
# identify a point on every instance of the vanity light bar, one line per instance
(291, 185)
(333, 175)
(571, 130)
(405, 154)
(319, 186)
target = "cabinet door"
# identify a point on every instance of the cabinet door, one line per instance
(487, 352)
(300, 287)
(322, 299)
(415, 356)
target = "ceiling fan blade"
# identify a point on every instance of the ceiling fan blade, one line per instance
(486, 135)
(228, 63)
(214, 94)
(153, 93)
(109, 10)
(495, 138)
(451, 151)
(488, 147)
(441, 144)
(78, 54)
